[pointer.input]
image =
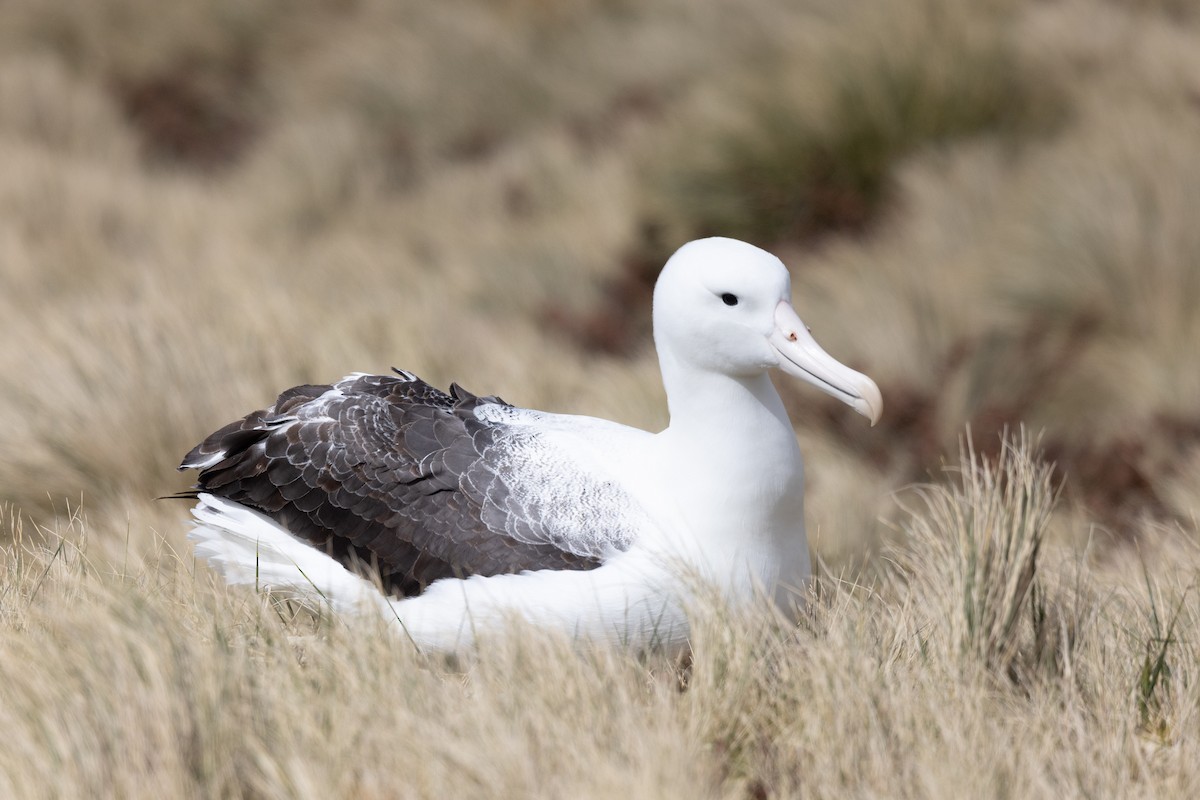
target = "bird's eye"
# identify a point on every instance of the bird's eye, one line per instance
(729, 299)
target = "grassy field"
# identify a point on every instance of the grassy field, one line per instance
(991, 208)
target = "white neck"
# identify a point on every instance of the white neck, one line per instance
(732, 417)
(732, 456)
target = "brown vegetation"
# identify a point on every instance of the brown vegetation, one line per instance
(989, 207)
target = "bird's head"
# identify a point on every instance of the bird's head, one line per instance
(722, 305)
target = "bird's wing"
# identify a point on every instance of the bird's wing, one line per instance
(392, 474)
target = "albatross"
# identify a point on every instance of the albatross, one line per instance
(453, 514)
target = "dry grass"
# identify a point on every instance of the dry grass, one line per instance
(978, 668)
(989, 207)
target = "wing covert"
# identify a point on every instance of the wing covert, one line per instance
(389, 474)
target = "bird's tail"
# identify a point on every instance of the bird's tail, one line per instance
(249, 548)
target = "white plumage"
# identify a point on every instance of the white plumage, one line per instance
(477, 512)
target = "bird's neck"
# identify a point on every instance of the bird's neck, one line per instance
(732, 411)
(731, 437)
(731, 455)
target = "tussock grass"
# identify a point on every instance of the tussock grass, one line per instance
(885, 690)
(808, 159)
(978, 541)
(421, 185)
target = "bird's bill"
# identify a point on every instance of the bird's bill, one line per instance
(802, 357)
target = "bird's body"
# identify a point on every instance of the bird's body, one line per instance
(470, 511)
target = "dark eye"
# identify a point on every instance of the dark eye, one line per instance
(729, 299)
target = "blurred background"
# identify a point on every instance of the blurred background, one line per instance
(990, 207)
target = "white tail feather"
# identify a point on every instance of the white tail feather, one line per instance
(249, 548)
(622, 601)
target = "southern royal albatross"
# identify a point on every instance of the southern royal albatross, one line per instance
(471, 511)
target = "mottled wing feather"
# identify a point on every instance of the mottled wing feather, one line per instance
(391, 475)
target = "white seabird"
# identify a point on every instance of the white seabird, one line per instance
(470, 512)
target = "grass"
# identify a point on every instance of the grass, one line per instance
(447, 189)
(206, 691)
(1153, 683)
(804, 164)
(989, 530)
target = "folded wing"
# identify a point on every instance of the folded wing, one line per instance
(391, 476)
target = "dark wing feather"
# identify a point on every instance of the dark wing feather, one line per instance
(390, 475)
